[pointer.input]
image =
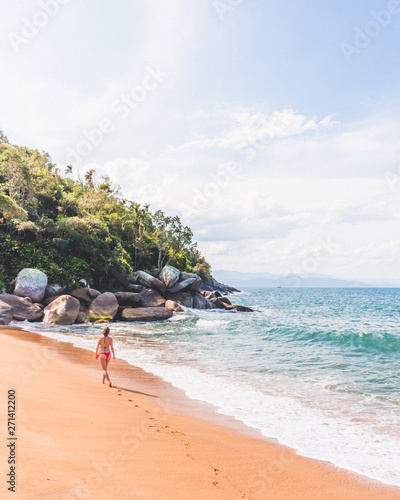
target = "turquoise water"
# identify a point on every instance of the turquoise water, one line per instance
(317, 369)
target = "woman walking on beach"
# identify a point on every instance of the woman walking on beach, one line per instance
(104, 344)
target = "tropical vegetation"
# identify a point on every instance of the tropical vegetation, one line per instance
(75, 227)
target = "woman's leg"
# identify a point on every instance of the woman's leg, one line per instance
(107, 361)
(103, 362)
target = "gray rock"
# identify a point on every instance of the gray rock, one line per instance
(31, 283)
(178, 287)
(218, 303)
(81, 317)
(151, 298)
(22, 308)
(6, 313)
(145, 313)
(94, 293)
(83, 295)
(149, 281)
(236, 307)
(225, 300)
(170, 275)
(62, 311)
(173, 306)
(195, 286)
(52, 291)
(105, 305)
(183, 298)
(127, 298)
(200, 302)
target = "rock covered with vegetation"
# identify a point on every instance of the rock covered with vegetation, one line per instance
(60, 233)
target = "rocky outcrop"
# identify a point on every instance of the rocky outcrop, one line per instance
(200, 302)
(181, 285)
(127, 298)
(195, 286)
(31, 283)
(62, 311)
(151, 298)
(236, 307)
(149, 281)
(146, 314)
(183, 298)
(173, 306)
(104, 306)
(6, 313)
(22, 308)
(170, 275)
(218, 303)
(220, 287)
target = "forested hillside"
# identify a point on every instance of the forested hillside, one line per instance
(80, 227)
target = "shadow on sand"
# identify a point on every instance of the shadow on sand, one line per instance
(134, 392)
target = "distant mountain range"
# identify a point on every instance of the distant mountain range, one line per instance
(240, 279)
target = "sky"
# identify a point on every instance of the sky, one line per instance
(271, 128)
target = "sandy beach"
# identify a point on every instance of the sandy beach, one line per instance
(79, 439)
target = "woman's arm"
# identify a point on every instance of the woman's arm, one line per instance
(112, 348)
(97, 348)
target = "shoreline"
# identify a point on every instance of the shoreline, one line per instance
(192, 438)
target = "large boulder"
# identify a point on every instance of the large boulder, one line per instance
(62, 311)
(83, 295)
(31, 283)
(128, 298)
(195, 286)
(178, 287)
(151, 298)
(6, 313)
(170, 275)
(183, 298)
(149, 281)
(105, 305)
(22, 308)
(146, 314)
(200, 302)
